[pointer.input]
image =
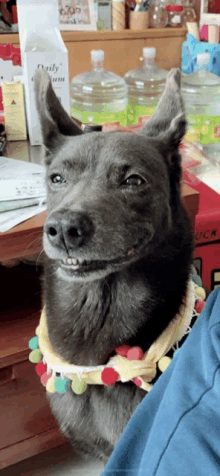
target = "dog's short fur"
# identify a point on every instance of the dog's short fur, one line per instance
(113, 204)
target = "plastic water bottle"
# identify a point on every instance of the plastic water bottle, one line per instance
(201, 95)
(145, 86)
(99, 96)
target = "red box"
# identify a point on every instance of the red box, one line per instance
(207, 232)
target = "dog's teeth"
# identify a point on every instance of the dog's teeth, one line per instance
(72, 261)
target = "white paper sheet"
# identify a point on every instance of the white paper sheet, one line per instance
(11, 168)
(21, 180)
(211, 177)
(10, 219)
(22, 188)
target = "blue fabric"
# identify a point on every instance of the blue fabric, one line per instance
(175, 431)
(191, 47)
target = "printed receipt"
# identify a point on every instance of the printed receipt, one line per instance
(22, 188)
(21, 180)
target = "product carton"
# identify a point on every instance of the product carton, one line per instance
(42, 47)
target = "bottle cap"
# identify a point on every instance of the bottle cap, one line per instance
(203, 58)
(97, 55)
(149, 52)
(174, 8)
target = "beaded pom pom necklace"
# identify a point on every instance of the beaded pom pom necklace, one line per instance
(128, 364)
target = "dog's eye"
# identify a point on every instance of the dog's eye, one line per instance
(57, 179)
(134, 180)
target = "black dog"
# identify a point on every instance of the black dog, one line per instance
(114, 207)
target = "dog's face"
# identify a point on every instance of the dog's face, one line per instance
(109, 195)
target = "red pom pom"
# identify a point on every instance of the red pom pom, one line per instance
(200, 306)
(122, 350)
(41, 368)
(135, 353)
(137, 381)
(45, 377)
(109, 376)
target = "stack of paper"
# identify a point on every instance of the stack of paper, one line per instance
(22, 191)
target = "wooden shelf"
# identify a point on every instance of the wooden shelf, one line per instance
(106, 35)
(23, 240)
(17, 328)
(123, 35)
(32, 446)
(122, 48)
(24, 408)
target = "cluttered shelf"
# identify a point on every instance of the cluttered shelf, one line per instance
(107, 35)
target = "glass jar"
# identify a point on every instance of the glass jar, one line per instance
(157, 14)
(174, 15)
(189, 13)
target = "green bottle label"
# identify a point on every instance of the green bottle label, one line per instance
(138, 114)
(205, 129)
(86, 117)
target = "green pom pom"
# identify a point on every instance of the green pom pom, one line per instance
(35, 356)
(61, 385)
(197, 280)
(78, 386)
(33, 343)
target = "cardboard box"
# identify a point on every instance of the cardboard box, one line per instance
(207, 232)
(13, 101)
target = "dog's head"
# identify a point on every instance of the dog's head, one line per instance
(110, 196)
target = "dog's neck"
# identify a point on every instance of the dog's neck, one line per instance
(94, 307)
(104, 314)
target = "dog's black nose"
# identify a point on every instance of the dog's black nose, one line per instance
(68, 230)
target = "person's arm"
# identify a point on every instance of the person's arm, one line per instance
(176, 428)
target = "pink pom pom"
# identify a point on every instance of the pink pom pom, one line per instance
(122, 350)
(199, 306)
(109, 376)
(135, 353)
(137, 381)
(44, 378)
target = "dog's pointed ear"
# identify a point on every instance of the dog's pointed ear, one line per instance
(168, 122)
(54, 120)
